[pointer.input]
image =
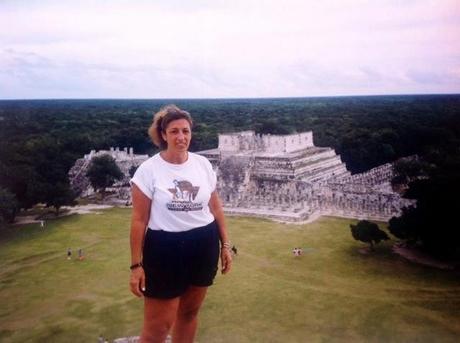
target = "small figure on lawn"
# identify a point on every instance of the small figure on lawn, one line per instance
(69, 254)
(80, 254)
(297, 251)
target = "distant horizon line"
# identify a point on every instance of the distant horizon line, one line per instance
(235, 98)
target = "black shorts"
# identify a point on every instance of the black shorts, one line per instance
(173, 261)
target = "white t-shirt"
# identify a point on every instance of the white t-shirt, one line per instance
(180, 193)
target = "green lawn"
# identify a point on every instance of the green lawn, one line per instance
(332, 293)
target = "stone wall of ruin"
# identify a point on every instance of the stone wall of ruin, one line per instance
(314, 181)
(250, 141)
(125, 159)
(279, 177)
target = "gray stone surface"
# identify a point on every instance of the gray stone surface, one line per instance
(125, 159)
(284, 178)
(135, 339)
(288, 178)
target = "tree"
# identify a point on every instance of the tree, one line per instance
(406, 226)
(103, 172)
(132, 171)
(19, 179)
(432, 222)
(408, 169)
(60, 195)
(8, 206)
(368, 232)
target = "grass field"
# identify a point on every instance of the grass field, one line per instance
(332, 293)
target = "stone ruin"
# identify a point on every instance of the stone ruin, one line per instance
(288, 178)
(120, 192)
(282, 177)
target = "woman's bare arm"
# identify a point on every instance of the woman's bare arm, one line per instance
(139, 222)
(216, 209)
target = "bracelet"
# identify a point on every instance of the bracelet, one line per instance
(135, 265)
(227, 245)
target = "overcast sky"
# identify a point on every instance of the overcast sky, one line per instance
(219, 49)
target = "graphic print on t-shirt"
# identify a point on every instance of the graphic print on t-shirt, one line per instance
(183, 195)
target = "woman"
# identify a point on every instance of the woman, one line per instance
(176, 226)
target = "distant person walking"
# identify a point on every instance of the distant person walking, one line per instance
(80, 254)
(177, 222)
(297, 251)
(69, 254)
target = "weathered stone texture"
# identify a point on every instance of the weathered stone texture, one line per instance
(125, 159)
(280, 177)
(290, 179)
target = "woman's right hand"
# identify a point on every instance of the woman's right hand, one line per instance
(137, 281)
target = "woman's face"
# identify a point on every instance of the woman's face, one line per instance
(178, 134)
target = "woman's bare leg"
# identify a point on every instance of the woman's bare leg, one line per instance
(184, 329)
(159, 316)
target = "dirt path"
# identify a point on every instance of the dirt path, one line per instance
(66, 210)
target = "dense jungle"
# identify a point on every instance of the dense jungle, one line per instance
(41, 139)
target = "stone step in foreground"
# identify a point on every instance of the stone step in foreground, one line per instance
(132, 339)
(135, 339)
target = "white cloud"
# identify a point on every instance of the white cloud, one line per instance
(221, 48)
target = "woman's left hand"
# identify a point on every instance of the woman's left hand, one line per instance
(226, 260)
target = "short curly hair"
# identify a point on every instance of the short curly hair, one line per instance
(161, 120)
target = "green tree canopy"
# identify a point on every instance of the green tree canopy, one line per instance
(103, 172)
(60, 195)
(406, 226)
(8, 205)
(368, 232)
(41, 139)
(409, 169)
(132, 171)
(432, 222)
